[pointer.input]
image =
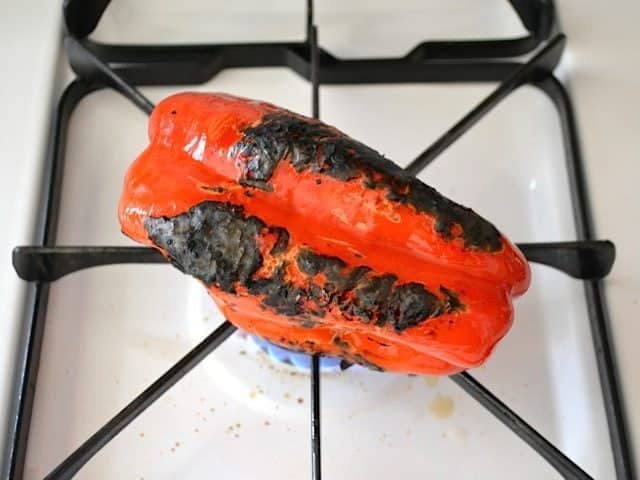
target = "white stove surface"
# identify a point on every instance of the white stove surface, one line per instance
(111, 331)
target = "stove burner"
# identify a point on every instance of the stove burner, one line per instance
(301, 361)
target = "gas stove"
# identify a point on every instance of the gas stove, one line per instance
(192, 397)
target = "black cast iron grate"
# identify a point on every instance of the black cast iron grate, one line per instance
(450, 61)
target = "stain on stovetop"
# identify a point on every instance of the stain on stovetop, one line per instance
(441, 406)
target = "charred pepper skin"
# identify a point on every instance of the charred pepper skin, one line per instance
(316, 242)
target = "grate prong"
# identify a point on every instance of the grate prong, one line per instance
(74, 462)
(540, 64)
(563, 464)
(94, 68)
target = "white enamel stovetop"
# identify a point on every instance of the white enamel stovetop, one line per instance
(111, 331)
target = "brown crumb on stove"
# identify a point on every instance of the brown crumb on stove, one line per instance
(236, 435)
(196, 430)
(300, 400)
(238, 425)
(141, 434)
(212, 409)
(177, 444)
(287, 395)
(230, 429)
(267, 423)
(243, 352)
(173, 449)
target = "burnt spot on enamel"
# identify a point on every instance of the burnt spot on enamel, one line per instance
(218, 244)
(212, 241)
(310, 145)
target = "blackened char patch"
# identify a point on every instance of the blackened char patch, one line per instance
(371, 298)
(212, 188)
(279, 293)
(213, 241)
(307, 322)
(311, 145)
(312, 263)
(382, 344)
(218, 244)
(451, 301)
(410, 304)
(339, 342)
(282, 243)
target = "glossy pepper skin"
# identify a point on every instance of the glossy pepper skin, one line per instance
(309, 239)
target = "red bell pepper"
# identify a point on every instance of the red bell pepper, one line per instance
(316, 242)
